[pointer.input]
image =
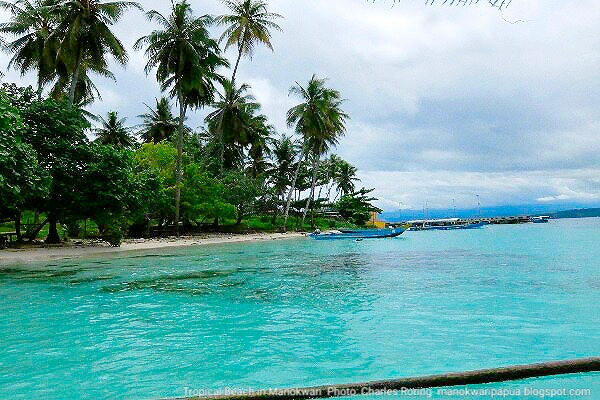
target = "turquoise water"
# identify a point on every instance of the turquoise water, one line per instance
(300, 312)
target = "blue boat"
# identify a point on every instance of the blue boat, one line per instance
(357, 234)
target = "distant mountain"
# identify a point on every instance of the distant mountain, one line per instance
(496, 211)
(578, 213)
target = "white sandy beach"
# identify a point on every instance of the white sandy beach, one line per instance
(78, 249)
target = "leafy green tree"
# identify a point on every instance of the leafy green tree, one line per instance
(320, 121)
(34, 48)
(113, 131)
(158, 160)
(203, 196)
(86, 38)
(107, 194)
(242, 191)
(146, 200)
(357, 207)
(186, 59)
(21, 178)
(249, 25)
(158, 124)
(56, 131)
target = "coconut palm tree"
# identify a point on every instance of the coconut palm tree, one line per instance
(113, 131)
(345, 178)
(261, 133)
(231, 122)
(249, 25)
(319, 120)
(86, 38)
(158, 124)
(284, 154)
(186, 59)
(34, 49)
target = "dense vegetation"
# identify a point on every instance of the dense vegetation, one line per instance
(75, 172)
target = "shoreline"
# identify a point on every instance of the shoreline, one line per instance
(76, 249)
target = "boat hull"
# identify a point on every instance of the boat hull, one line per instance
(359, 234)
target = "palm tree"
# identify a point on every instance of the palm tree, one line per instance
(113, 131)
(284, 153)
(331, 171)
(86, 38)
(231, 122)
(320, 120)
(259, 137)
(158, 124)
(248, 25)
(345, 178)
(186, 59)
(33, 49)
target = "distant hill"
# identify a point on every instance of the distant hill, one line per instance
(579, 213)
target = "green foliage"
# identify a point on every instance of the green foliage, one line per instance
(356, 207)
(113, 131)
(249, 25)
(158, 124)
(203, 196)
(85, 37)
(184, 55)
(106, 196)
(241, 190)
(21, 177)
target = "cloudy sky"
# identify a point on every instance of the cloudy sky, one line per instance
(446, 102)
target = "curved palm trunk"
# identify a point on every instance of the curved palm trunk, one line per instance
(316, 164)
(40, 88)
(178, 169)
(75, 79)
(293, 188)
(237, 64)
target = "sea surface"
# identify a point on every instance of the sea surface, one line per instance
(299, 312)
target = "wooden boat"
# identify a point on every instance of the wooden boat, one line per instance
(357, 234)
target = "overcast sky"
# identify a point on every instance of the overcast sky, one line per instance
(446, 102)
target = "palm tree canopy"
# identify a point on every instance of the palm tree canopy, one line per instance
(248, 25)
(319, 118)
(113, 131)
(86, 37)
(32, 25)
(345, 177)
(235, 123)
(284, 154)
(158, 124)
(184, 55)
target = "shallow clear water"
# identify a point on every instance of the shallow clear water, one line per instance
(300, 312)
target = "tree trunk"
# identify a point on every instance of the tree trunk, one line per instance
(293, 188)
(75, 79)
(18, 225)
(237, 63)
(313, 183)
(40, 88)
(53, 237)
(178, 169)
